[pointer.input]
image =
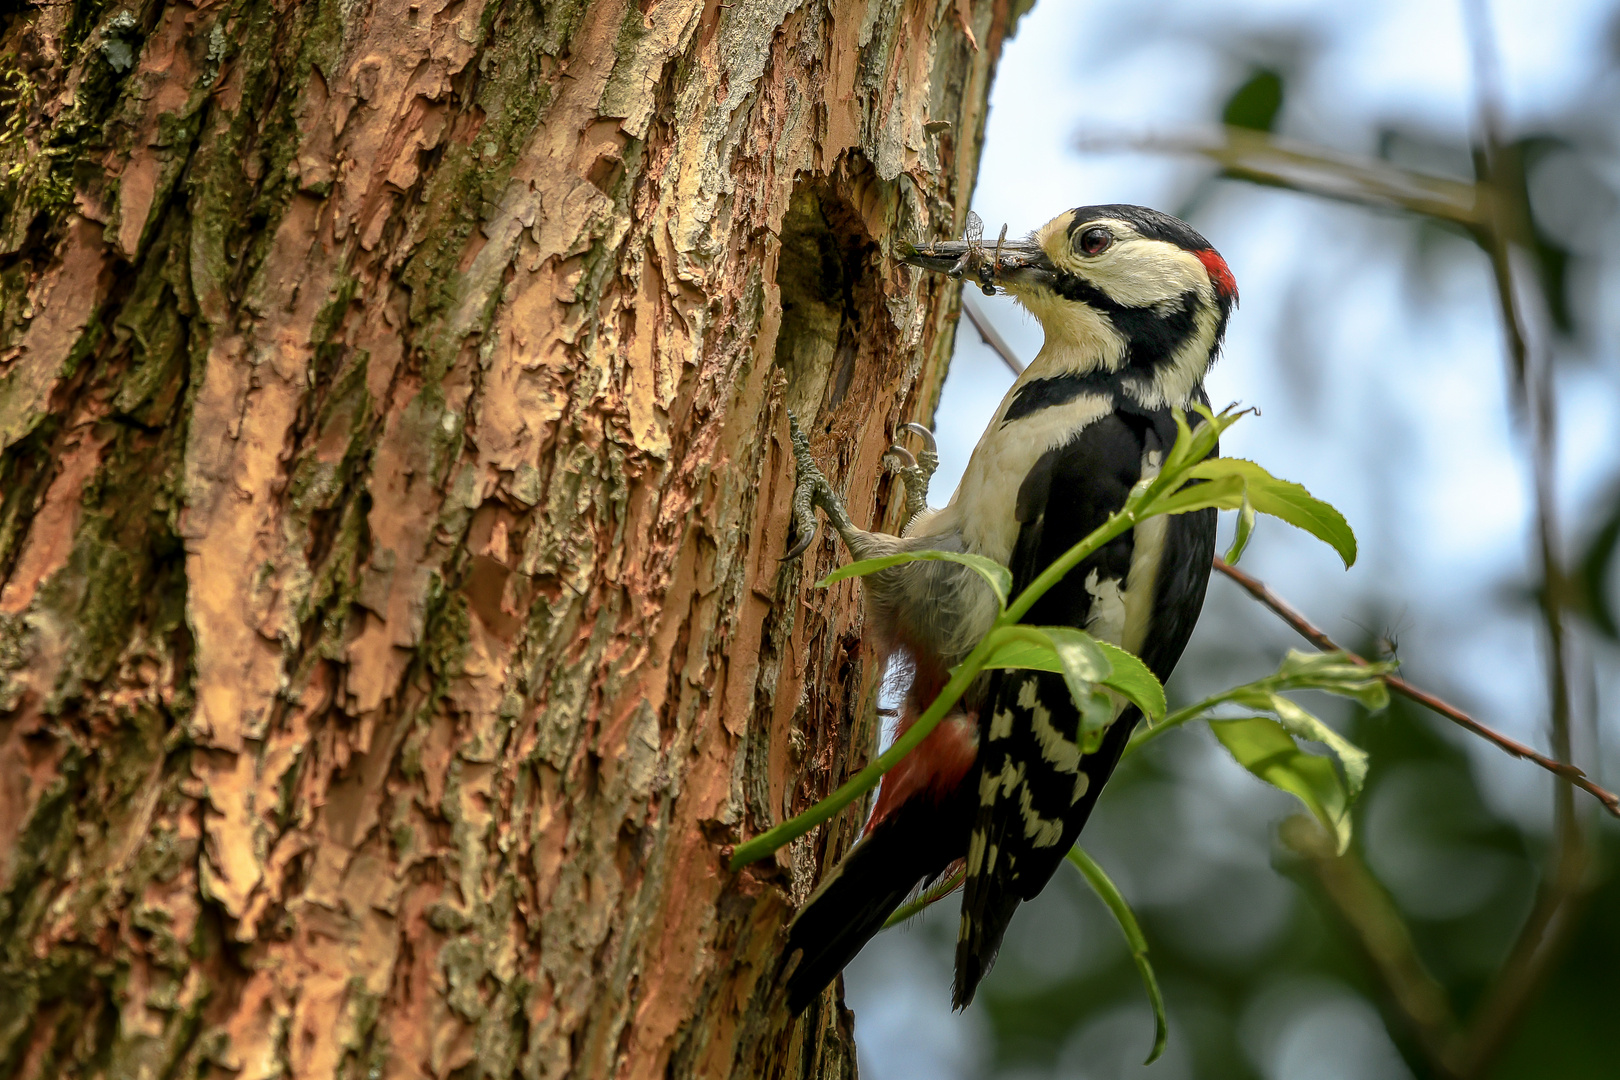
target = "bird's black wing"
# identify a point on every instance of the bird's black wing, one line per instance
(1035, 787)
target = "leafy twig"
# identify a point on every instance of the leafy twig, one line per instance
(1134, 938)
(1307, 630)
(1228, 483)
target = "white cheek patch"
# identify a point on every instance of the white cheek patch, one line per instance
(1141, 273)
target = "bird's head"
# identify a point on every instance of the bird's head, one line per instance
(1119, 288)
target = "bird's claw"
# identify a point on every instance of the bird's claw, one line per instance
(916, 470)
(810, 488)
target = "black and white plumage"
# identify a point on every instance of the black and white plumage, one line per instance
(1134, 305)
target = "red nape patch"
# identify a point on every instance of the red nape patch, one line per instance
(934, 769)
(1220, 275)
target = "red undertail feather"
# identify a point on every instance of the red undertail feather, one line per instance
(934, 769)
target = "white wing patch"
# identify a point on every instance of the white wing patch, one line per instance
(975, 858)
(1147, 552)
(994, 785)
(1001, 724)
(1056, 749)
(1122, 611)
(1039, 831)
(1107, 618)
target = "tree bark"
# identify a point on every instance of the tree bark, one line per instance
(394, 477)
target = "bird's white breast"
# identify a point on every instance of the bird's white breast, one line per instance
(984, 509)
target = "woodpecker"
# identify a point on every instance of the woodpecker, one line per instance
(1134, 304)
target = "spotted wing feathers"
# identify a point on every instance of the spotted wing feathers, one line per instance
(1035, 788)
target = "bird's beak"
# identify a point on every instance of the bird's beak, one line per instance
(1009, 263)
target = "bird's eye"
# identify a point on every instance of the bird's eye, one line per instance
(1095, 240)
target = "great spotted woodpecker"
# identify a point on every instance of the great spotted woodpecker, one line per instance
(1134, 304)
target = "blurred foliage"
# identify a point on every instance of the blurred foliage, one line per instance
(1259, 967)
(1595, 576)
(1460, 874)
(1256, 103)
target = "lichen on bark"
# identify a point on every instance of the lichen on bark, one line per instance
(393, 478)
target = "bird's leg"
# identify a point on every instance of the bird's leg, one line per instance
(916, 471)
(811, 490)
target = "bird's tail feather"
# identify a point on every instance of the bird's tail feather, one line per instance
(914, 844)
(979, 941)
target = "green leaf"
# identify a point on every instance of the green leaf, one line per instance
(1335, 673)
(1192, 445)
(1020, 652)
(1306, 725)
(1084, 666)
(1097, 715)
(998, 576)
(1120, 671)
(1266, 749)
(1036, 648)
(1075, 655)
(1303, 724)
(1283, 499)
(1132, 680)
(1181, 451)
(1110, 895)
(1256, 103)
(1196, 444)
(1223, 494)
(1245, 528)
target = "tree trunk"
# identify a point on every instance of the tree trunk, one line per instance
(392, 634)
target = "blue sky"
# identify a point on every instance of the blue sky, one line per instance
(1382, 386)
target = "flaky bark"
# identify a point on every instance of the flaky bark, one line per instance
(392, 634)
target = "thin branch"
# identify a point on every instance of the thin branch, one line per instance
(990, 336)
(1553, 920)
(1265, 159)
(1307, 630)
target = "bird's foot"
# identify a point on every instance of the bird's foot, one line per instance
(916, 470)
(810, 490)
